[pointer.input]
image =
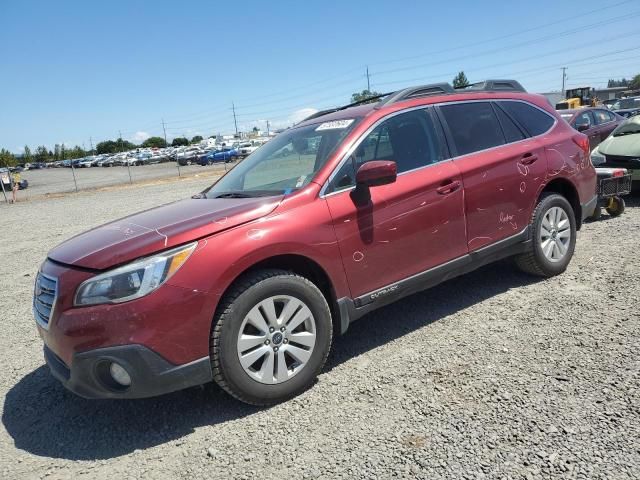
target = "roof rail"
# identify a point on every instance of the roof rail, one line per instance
(415, 92)
(491, 85)
(344, 107)
(494, 86)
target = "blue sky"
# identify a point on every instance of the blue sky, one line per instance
(75, 70)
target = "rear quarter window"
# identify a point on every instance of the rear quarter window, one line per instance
(532, 119)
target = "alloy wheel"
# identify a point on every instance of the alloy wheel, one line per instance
(555, 234)
(276, 339)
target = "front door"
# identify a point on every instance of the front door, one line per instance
(410, 225)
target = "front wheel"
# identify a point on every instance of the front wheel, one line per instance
(553, 237)
(271, 337)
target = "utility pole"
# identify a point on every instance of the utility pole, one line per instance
(91, 143)
(73, 170)
(368, 82)
(165, 134)
(564, 77)
(233, 107)
(125, 158)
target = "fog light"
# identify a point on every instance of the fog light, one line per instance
(119, 375)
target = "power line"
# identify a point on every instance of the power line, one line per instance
(509, 35)
(511, 47)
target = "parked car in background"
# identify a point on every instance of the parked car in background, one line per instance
(596, 123)
(247, 282)
(627, 107)
(246, 149)
(85, 162)
(187, 156)
(621, 149)
(223, 155)
(106, 162)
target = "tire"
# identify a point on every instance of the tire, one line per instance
(263, 382)
(616, 207)
(552, 235)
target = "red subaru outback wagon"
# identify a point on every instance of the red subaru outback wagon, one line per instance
(247, 282)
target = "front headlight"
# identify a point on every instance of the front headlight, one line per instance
(134, 280)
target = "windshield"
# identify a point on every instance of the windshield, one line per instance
(284, 164)
(626, 103)
(630, 127)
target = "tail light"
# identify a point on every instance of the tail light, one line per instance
(583, 142)
(618, 172)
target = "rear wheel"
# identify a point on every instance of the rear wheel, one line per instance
(553, 237)
(271, 337)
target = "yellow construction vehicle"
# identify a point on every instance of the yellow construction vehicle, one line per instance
(578, 97)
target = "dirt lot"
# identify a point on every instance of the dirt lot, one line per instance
(492, 375)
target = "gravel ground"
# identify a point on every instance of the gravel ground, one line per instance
(492, 375)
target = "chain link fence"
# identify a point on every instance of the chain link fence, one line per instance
(48, 181)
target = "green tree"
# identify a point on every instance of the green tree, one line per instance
(634, 84)
(363, 96)
(196, 139)
(26, 156)
(76, 152)
(617, 83)
(7, 159)
(154, 142)
(179, 141)
(114, 146)
(125, 145)
(460, 80)
(42, 154)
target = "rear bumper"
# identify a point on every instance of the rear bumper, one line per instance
(151, 375)
(588, 207)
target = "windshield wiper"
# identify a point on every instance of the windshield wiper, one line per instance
(234, 195)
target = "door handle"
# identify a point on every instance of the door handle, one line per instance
(528, 159)
(449, 187)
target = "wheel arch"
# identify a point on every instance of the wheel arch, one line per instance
(567, 189)
(301, 265)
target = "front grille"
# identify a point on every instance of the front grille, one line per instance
(621, 161)
(44, 299)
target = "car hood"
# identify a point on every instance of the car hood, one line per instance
(157, 229)
(625, 145)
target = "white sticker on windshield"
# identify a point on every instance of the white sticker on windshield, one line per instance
(336, 124)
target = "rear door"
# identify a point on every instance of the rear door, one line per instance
(586, 118)
(605, 122)
(410, 225)
(502, 166)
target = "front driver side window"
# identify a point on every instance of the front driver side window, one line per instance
(410, 139)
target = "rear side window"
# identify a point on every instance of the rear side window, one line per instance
(532, 119)
(602, 116)
(473, 125)
(585, 118)
(511, 131)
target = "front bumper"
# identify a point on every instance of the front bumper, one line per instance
(151, 375)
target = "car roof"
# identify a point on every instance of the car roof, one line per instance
(421, 95)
